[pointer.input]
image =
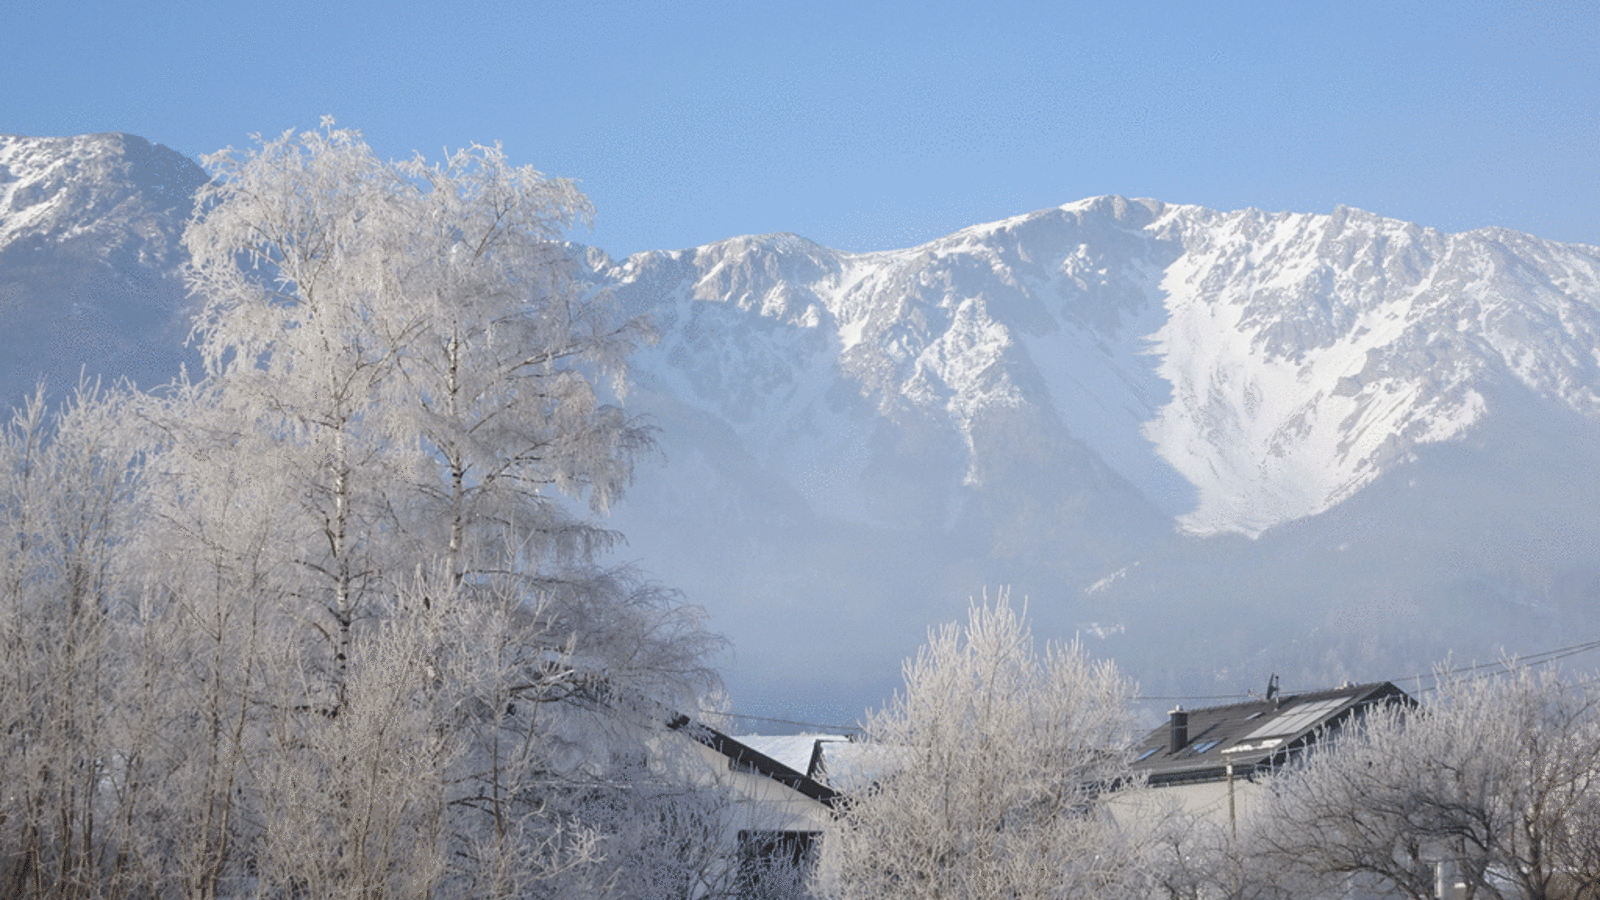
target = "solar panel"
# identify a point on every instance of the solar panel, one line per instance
(1297, 718)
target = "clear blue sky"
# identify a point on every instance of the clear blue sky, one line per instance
(868, 126)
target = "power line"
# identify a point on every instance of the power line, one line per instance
(1142, 697)
(718, 712)
(1543, 657)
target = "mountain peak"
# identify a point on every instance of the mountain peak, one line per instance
(90, 257)
(1134, 213)
(105, 187)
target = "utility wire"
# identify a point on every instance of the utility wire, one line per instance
(1533, 659)
(1141, 697)
(715, 712)
(1543, 657)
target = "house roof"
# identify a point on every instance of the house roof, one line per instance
(1256, 736)
(856, 765)
(748, 757)
(835, 761)
(800, 752)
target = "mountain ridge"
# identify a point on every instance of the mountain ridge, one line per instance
(1100, 402)
(1365, 329)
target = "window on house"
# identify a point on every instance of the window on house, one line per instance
(1147, 754)
(1203, 746)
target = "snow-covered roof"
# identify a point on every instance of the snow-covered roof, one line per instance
(834, 760)
(743, 755)
(797, 751)
(854, 765)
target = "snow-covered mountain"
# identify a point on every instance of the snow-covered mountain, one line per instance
(90, 249)
(1144, 416)
(1239, 370)
(1217, 444)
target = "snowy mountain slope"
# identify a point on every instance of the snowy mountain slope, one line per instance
(1212, 442)
(109, 192)
(1087, 402)
(1241, 370)
(1309, 354)
(90, 251)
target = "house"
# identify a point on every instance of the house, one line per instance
(786, 788)
(779, 811)
(1208, 759)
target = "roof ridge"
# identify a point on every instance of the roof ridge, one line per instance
(1353, 690)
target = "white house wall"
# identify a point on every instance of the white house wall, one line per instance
(1207, 801)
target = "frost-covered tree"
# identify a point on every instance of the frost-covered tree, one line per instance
(996, 760)
(1494, 776)
(316, 624)
(1201, 857)
(403, 349)
(408, 664)
(66, 507)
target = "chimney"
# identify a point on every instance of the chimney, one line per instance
(1180, 729)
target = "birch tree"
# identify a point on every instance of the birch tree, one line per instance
(996, 761)
(402, 397)
(406, 346)
(330, 620)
